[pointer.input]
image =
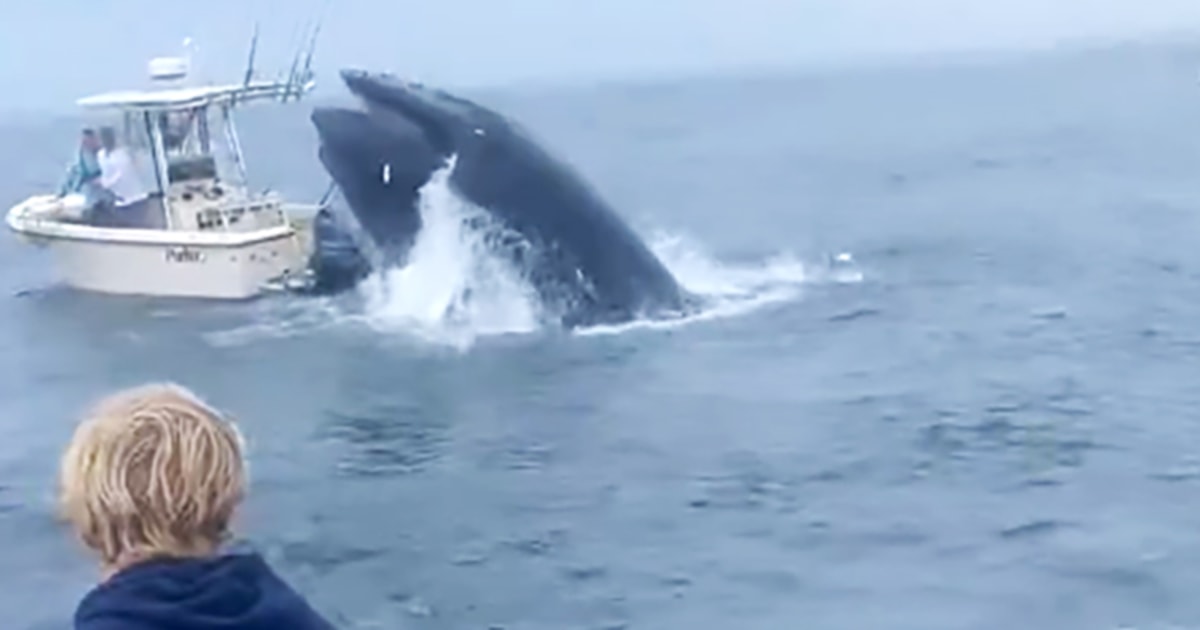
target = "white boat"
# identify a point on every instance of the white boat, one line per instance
(208, 235)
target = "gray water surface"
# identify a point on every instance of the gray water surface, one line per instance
(995, 427)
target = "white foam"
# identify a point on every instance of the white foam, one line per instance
(453, 288)
(729, 290)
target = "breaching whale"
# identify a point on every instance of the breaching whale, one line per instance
(587, 265)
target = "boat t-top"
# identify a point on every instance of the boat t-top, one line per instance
(195, 228)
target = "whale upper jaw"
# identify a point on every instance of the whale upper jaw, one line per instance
(446, 120)
(385, 90)
(389, 108)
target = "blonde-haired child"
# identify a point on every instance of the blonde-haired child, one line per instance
(150, 483)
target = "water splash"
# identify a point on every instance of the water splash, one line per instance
(728, 290)
(454, 288)
(457, 288)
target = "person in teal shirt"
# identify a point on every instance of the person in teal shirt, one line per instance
(82, 175)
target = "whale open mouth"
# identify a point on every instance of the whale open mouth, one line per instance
(392, 102)
(515, 200)
(380, 153)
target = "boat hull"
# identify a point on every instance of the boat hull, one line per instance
(192, 271)
(187, 264)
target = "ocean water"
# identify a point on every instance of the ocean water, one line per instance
(950, 380)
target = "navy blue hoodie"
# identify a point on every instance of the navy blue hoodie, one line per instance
(237, 591)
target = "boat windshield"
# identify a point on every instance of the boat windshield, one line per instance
(83, 163)
(199, 146)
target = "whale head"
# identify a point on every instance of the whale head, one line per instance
(401, 135)
(584, 261)
(380, 155)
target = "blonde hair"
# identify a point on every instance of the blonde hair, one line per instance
(152, 471)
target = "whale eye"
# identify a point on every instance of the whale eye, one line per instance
(387, 173)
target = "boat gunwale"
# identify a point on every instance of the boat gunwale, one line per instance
(20, 219)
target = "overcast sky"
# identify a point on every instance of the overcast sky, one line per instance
(52, 51)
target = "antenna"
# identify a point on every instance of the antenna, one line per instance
(291, 78)
(250, 60)
(312, 48)
(298, 81)
(298, 78)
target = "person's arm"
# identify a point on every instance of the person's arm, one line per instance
(71, 181)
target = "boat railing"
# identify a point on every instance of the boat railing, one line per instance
(252, 212)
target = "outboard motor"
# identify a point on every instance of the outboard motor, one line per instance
(337, 263)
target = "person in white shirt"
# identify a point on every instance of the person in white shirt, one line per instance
(117, 173)
(126, 198)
